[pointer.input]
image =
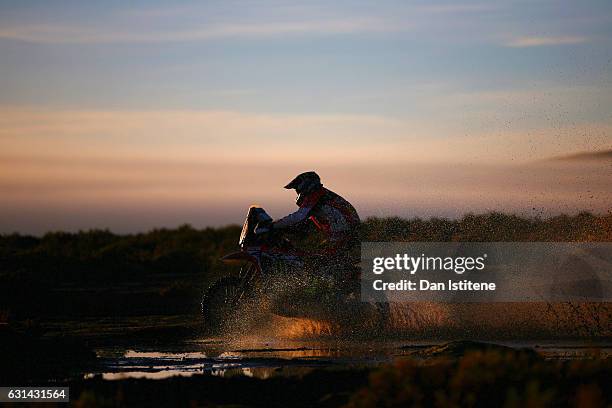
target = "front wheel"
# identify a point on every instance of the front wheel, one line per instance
(219, 301)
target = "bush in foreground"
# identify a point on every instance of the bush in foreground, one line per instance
(486, 379)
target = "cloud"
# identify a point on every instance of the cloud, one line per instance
(178, 24)
(455, 8)
(49, 34)
(537, 41)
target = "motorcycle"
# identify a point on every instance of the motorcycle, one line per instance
(289, 281)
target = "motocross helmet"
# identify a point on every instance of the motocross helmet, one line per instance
(305, 182)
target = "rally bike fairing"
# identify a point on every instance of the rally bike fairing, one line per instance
(268, 246)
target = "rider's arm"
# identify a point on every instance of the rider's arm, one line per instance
(293, 218)
(302, 214)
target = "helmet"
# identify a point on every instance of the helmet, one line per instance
(305, 182)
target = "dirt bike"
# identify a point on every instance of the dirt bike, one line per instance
(275, 273)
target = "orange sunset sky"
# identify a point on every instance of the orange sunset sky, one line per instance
(141, 115)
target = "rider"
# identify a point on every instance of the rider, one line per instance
(334, 216)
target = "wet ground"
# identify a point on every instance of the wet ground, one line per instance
(268, 358)
(158, 347)
(166, 361)
(261, 359)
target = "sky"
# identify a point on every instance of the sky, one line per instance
(135, 115)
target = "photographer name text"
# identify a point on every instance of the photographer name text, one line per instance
(412, 264)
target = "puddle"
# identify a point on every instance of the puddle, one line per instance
(261, 360)
(158, 355)
(267, 359)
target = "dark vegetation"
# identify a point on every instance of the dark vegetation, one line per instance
(101, 273)
(489, 378)
(98, 273)
(147, 287)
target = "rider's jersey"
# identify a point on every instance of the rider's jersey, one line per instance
(330, 213)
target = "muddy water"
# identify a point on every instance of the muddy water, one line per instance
(284, 346)
(265, 358)
(262, 359)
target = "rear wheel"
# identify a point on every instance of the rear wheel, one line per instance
(219, 301)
